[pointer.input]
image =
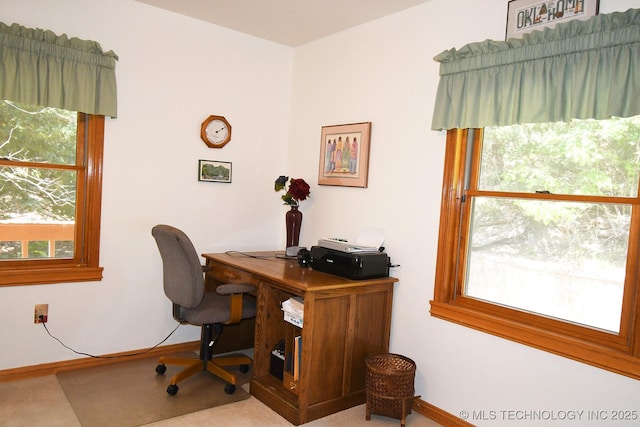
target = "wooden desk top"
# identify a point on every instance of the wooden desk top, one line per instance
(273, 266)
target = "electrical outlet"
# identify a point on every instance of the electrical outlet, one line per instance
(41, 313)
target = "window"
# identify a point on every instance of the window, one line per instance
(540, 237)
(50, 175)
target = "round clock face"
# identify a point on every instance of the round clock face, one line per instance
(216, 131)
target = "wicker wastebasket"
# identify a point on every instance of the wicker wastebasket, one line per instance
(389, 385)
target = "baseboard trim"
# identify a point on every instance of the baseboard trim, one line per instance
(108, 359)
(438, 415)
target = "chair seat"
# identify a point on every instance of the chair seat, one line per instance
(214, 308)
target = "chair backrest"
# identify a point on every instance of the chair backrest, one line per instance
(183, 278)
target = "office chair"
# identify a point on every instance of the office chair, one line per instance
(183, 281)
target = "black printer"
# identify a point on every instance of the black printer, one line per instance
(363, 265)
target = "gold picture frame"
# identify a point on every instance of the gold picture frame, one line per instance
(344, 155)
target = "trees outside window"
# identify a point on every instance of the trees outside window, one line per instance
(50, 181)
(539, 237)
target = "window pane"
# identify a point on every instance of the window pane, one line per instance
(64, 249)
(558, 259)
(38, 249)
(37, 134)
(9, 249)
(586, 157)
(38, 205)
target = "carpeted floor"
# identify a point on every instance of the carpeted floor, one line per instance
(132, 394)
(41, 401)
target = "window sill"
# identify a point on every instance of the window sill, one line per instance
(41, 276)
(574, 348)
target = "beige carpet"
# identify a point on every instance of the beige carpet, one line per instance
(132, 394)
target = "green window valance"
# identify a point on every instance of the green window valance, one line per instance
(37, 67)
(577, 70)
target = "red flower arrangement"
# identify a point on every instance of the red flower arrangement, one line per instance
(298, 190)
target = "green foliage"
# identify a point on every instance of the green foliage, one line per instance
(210, 171)
(10, 250)
(38, 249)
(582, 157)
(37, 135)
(587, 157)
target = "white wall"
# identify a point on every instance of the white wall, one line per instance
(277, 100)
(173, 72)
(383, 72)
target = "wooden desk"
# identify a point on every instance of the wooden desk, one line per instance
(345, 321)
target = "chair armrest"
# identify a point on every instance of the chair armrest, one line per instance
(235, 288)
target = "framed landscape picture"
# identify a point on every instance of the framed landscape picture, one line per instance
(344, 155)
(524, 16)
(214, 171)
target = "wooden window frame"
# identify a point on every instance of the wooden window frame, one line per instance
(618, 353)
(84, 266)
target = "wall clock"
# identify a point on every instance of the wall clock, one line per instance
(215, 131)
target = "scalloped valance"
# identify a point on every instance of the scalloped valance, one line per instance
(577, 70)
(37, 67)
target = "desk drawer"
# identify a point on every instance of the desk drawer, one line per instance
(224, 274)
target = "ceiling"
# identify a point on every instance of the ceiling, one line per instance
(288, 22)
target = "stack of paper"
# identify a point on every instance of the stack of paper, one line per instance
(294, 310)
(369, 240)
(344, 246)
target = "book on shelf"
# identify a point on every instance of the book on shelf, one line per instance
(297, 357)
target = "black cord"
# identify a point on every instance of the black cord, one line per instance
(109, 357)
(252, 256)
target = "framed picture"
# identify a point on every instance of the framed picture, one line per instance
(524, 16)
(214, 171)
(344, 155)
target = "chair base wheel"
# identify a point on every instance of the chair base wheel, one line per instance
(161, 369)
(244, 368)
(229, 388)
(172, 389)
